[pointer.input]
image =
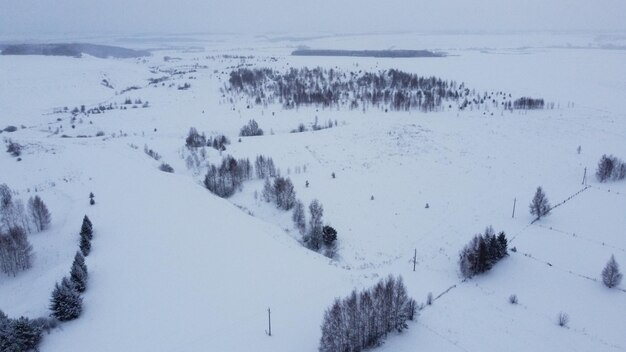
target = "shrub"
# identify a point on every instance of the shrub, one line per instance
(563, 319)
(166, 168)
(14, 148)
(513, 299)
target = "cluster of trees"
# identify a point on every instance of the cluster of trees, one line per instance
(390, 89)
(218, 142)
(14, 214)
(265, 167)
(610, 168)
(279, 192)
(363, 319)
(527, 103)
(195, 139)
(226, 179)
(251, 129)
(16, 253)
(482, 253)
(66, 303)
(316, 236)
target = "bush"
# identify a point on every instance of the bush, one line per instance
(513, 299)
(166, 168)
(14, 148)
(563, 319)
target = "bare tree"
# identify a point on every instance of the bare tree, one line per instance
(39, 213)
(539, 206)
(16, 253)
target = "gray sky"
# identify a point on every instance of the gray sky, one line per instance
(35, 17)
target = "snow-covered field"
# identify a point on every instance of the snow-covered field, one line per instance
(175, 268)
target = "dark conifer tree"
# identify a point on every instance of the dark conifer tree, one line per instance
(86, 229)
(66, 303)
(78, 273)
(85, 246)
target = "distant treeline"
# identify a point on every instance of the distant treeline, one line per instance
(73, 50)
(386, 90)
(367, 53)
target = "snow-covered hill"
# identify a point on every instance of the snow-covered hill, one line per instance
(175, 268)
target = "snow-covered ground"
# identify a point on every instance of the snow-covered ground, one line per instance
(175, 268)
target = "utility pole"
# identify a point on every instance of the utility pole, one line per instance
(269, 322)
(584, 176)
(514, 201)
(414, 259)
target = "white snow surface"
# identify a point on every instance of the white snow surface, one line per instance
(175, 268)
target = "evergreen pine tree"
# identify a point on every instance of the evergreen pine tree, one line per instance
(85, 245)
(86, 229)
(78, 273)
(502, 245)
(26, 334)
(610, 274)
(66, 303)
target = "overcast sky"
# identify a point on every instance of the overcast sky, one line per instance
(35, 17)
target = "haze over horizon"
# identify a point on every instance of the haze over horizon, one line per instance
(39, 18)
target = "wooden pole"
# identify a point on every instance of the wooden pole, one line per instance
(584, 176)
(414, 259)
(269, 321)
(514, 201)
